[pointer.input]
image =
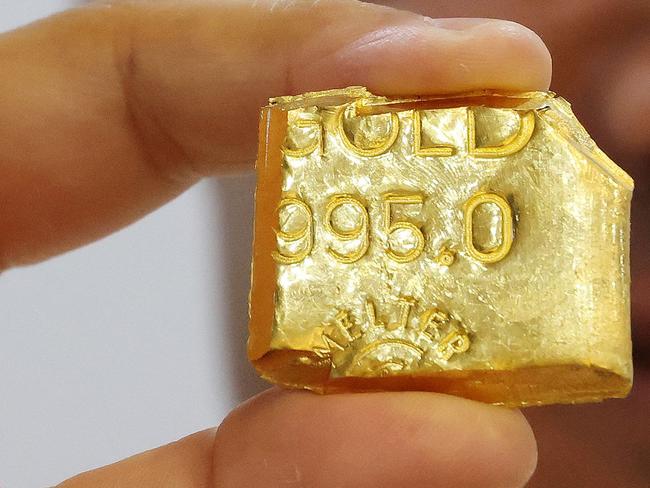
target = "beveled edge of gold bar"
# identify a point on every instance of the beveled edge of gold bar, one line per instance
(272, 131)
(519, 387)
(576, 135)
(336, 96)
(372, 103)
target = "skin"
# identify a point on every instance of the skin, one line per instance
(111, 110)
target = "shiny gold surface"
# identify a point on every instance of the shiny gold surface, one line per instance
(474, 244)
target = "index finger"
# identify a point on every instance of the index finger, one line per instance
(109, 111)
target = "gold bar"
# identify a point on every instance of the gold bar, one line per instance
(473, 244)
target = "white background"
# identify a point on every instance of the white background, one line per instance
(130, 342)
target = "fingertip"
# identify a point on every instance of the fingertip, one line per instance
(374, 440)
(484, 445)
(420, 55)
(527, 48)
(510, 448)
(499, 54)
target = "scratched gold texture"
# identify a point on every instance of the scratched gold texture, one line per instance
(473, 244)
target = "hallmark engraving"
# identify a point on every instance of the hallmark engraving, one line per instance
(295, 244)
(360, 144)
(395, 341)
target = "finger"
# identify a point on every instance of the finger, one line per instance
(186, 463)
(379, 440)
(109, 111)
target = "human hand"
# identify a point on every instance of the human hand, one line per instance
(111, 110)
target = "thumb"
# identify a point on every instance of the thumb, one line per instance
(361, 440)
(109, 111)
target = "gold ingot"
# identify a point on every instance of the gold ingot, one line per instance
(473, 244)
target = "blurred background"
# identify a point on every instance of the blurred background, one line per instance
(138, 339)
